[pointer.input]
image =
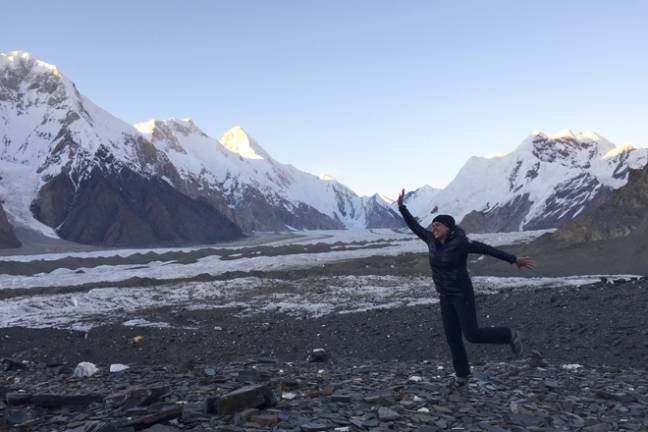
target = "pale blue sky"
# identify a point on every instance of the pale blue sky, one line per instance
(380, 94)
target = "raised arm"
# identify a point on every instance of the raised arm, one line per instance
(411, 222)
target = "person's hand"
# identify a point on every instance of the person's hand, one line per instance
(400, 198)
(525, 262)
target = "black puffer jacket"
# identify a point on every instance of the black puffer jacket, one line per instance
(448, 260)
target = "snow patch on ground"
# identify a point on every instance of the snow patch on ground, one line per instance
(145, 323)
(391, 243)
(309, 297)
(300, 237)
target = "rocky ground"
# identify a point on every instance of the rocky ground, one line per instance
(369, 383)
(266, 394)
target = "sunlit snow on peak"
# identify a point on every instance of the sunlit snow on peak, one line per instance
(588, 138)
(185, 126)
(184, 122)
(238, 141)
(15, 58)
(619, 150)
(385, 198)
(146, 127)
(327, 177)
(495, 155)
(568, 133)
(587, 135)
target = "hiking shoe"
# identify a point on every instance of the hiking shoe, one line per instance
(462, 381)
(516, 342)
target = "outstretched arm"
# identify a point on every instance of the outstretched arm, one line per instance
(484, 249)
(411, 222)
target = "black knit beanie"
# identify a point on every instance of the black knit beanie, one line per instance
(446, 220)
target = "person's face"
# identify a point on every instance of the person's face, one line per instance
(439, 231)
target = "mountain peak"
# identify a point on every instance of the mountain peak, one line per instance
(184, 126)
(238, 141)
(587, 135)
(566, 142)
(27, 78)
(24, 60)
(384, 198)
(146, 127)
(626, 148)
(426, 188)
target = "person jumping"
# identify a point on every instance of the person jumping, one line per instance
(448, 249)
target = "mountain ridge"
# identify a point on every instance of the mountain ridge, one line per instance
(56, 142)
(545, 182)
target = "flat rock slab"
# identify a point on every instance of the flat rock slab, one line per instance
(253, 396)
(317, 426)
(137, 396)
(149, 420)
(52, 400)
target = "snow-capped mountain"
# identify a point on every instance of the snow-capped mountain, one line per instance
(545, 182)
(71, 169)
(262, 193)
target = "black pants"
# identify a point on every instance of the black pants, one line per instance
(459, 314)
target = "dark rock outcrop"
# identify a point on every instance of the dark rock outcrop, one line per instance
(127, 209)
(7, 237)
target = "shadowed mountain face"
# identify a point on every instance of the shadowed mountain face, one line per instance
(127, 209)
(7, 236)
(624, 216)
(379, 216)
(505, 218)
(254, 212)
